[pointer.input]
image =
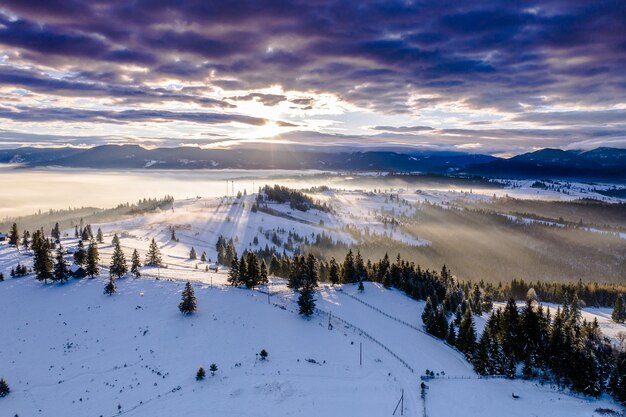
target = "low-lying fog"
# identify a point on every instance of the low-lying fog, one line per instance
(25, 191)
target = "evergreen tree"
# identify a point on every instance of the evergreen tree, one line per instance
(481, 359)
(173, 236)
(511, 336)
(14, 236)
(617, 382)
(263, 274)
(153, 257)
(56, 232)
(200, 374)
(93, 257)
(361, 288)
(188, 302)
(203, 257)
(451, 337)
(428, 315)
(619, 310)
(306, 302)
(99, 236)
(80, 256)
(333, 272)
(349, 270)
(466, 339)
(116, 240)
(135, 264)
(252, 272)
(42, 262)
(192, 254)
(4, 388)
(383, 271)
(1, 277)
(61, 270)
(263, 354)
(76, 234)
(118, 266)
(85, 235)
(109, 288)
(213, 369)
(25, 239)
(233, 274)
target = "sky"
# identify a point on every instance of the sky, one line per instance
(492, 77)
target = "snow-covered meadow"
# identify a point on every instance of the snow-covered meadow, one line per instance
(69, 350)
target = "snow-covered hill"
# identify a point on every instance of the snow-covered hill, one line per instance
(69, 350)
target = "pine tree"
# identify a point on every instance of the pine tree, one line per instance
(263, 274)
(333, 272)
(118, 266)
(135, 264)
(110, 288)
(14, 236)
(76, 234)
(192, 254)
(361, 288)
(428, 315)
(451, 337)
(619, 310)
(349, 270)
(466, 339)
(85, 235)
(233, 274)
(203, 257)
(153, 257)
(80, 256)
(99, 236)
(56, 232)
(481, 359)
(200, 374)
(213, 369)
(263, 354)
(188, 303)
(25, 239)
(173, 236)
(617, 382)
(93, 257)
(61, 270)
(1, 277)
(306, 302)
(4, 388)
(42, 262)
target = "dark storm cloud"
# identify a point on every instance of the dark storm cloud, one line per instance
(30, 114)
(390, 56)
(463, 49)
(76, 87)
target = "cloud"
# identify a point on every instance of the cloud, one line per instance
(30, 114)
(516, 59)
(402, 129)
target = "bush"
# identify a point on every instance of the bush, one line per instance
(4, 388)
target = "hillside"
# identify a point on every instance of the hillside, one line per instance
(79, 352)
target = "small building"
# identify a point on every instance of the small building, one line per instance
(77, 271)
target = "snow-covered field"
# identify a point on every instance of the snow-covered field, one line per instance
(69, 350)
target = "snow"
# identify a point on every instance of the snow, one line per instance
(69, 350)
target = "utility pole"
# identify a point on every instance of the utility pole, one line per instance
(361, 353)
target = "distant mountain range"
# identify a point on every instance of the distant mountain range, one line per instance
(600, 163)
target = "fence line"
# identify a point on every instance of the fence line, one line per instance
(368, 336)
